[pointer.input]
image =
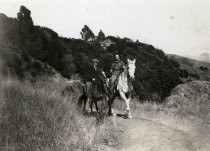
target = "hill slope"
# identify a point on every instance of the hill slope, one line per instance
(195, 70)
(189, 61)
(204, 57)
(20, 41)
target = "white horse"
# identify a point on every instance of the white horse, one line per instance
(123, 87)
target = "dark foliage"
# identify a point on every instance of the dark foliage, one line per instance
(155, 74)
(203, 68)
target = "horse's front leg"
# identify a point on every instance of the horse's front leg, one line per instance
(111, 110)
(127, 102)
(91, 105)
(128, 108)
(96, 104)
(86, 100)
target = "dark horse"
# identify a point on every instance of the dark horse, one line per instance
(93, 93)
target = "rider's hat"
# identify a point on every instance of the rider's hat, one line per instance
(95, 60)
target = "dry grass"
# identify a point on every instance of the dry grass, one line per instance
(141, 109)
(190, 100)
(37, 117)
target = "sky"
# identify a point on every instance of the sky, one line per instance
(176, 26)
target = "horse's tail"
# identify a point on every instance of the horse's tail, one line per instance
(83, 97)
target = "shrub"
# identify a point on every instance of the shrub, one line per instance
(190, 99)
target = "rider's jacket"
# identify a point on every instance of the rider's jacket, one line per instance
(117, 66)
(95, 73)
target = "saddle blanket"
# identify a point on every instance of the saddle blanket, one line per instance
(122, 83)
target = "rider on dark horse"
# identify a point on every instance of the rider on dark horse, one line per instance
(96, 75)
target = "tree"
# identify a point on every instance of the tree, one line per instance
(101, 36)
(87, 34)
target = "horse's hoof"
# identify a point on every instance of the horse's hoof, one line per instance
(85, 112)
(130, 116)
(112, 114)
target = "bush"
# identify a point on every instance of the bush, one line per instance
(190, 99)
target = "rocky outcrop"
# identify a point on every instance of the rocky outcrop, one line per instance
(87, 34)
(24, 17)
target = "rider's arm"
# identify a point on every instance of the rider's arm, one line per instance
(103, 74)
(90, 75)
(123, 66)
(112, 68)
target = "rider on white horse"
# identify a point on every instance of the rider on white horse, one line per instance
(124, 87)
(117, 67)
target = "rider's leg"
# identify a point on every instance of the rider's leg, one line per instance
(112, 83)
(113, 78)
(105, 88)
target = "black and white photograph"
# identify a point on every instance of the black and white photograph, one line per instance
(104, 75)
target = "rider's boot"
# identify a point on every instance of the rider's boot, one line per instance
(105, 89)
(111, 91)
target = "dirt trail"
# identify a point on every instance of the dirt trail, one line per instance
(166, 134)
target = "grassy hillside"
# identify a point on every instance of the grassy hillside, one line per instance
(37, 117)
(21, 42)
(192, 98)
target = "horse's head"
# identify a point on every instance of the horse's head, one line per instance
(131, 67)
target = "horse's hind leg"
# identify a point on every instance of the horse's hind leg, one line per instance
(104, 104)
(86, 102)
(85, 99)
(127, 102)
(91, 106)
